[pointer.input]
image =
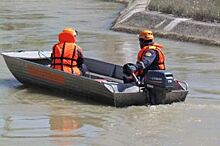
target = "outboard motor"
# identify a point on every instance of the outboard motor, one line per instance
(158, 83)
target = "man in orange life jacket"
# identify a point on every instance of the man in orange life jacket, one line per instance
(150, 57)
(66, 55)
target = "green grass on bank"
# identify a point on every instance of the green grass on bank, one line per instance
(202, 10)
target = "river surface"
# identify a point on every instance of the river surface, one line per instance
(38, 117)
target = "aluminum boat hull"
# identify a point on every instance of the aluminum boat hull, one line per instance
(103, 82)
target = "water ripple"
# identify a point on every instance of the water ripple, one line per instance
(16, 26)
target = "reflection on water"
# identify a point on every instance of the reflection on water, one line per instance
(43, 126)
(32, 127)
(63, 123)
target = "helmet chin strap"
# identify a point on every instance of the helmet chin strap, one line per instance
(145, 43)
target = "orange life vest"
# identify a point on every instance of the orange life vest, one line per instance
(159, 64)
(65, 54)
(158, 45)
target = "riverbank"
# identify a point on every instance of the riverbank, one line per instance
(137, 16)
(201, 10)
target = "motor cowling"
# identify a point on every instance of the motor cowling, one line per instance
(159, 78)
(157, 84)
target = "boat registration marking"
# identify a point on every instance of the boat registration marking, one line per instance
(45, 75)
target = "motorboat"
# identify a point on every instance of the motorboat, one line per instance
(103, 82)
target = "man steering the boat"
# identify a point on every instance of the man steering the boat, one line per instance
(67, 55)
(150, 57)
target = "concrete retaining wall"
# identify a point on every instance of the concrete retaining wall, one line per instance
(136, 17)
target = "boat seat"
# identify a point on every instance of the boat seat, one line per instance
(103, 68)
(102, 78)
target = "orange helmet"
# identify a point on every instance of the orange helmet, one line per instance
(70, 30)
(146, 35)
(68, 35)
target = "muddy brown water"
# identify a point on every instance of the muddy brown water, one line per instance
(39, 117)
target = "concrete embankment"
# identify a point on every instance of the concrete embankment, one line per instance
(137, 16)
